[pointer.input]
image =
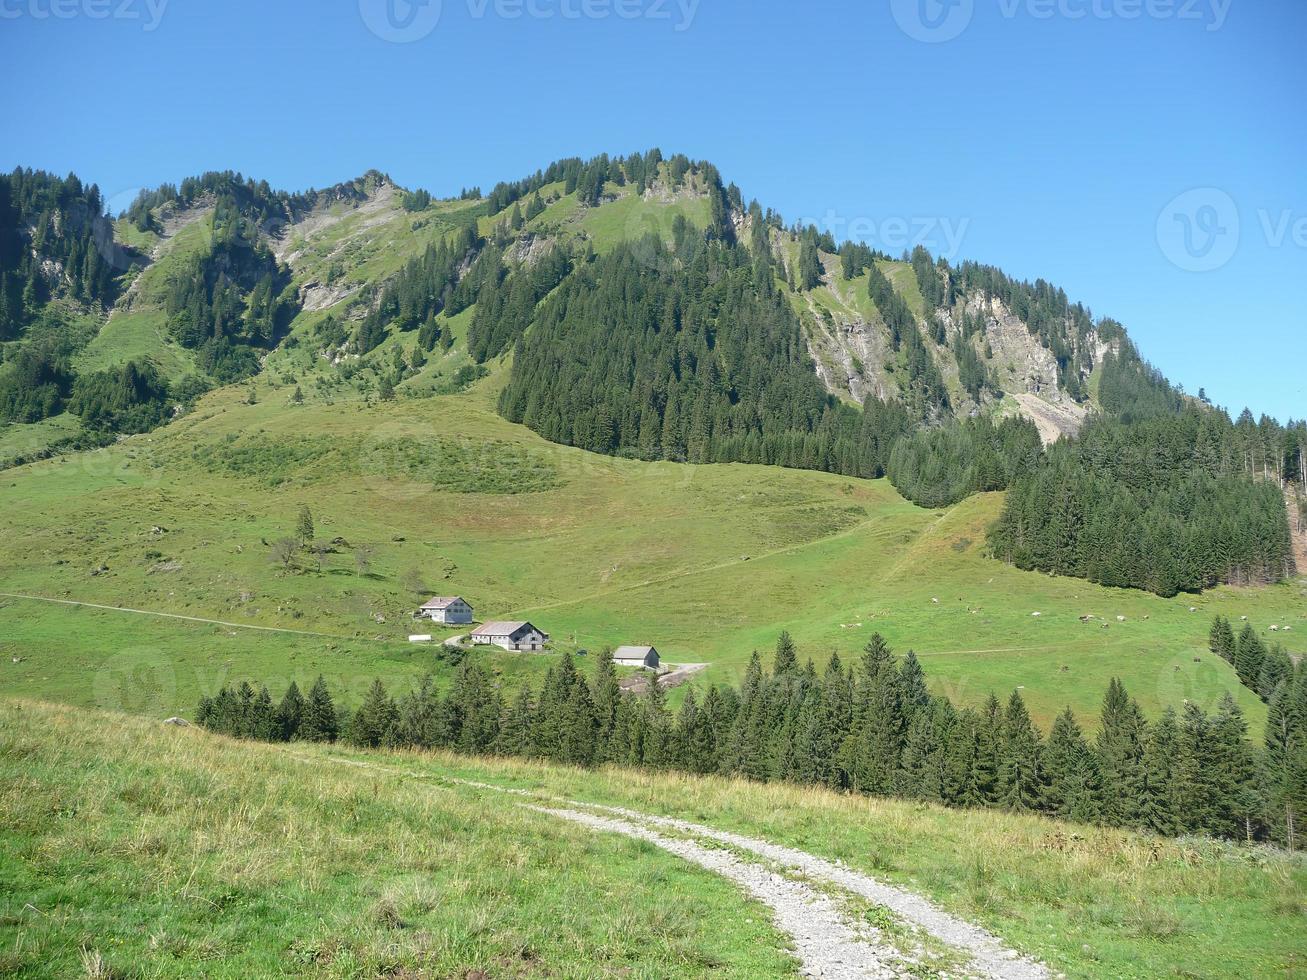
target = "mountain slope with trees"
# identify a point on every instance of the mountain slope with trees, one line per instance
(643, 308)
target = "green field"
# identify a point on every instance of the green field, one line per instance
(135, 849)
(707, 563)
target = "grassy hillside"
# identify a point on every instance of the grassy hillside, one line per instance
(132, 850)
(137, 849)
(705, 562)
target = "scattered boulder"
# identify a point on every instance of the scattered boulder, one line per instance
(177, 722)
(1120, 619)
(1036, 614)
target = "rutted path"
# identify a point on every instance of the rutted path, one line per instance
(167, 615)
(804, 899)
(988, 953)
(825, 943)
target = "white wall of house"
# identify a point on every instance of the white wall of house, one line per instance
(459, 613)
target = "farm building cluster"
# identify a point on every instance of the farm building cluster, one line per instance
(517, 636)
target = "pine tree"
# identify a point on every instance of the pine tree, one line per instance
(1074, 784)
(607, 694)
(1250, 657)
(1121, 753)
(319, 722)
(1221, 640)
(1158, 811)
(786, 657)
(290, 713)
(1020, 777)
(377, 719)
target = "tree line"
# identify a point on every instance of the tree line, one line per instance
(232, 299)
(1262, 669)
(872, 728)
(55, 240)
(1163, 500)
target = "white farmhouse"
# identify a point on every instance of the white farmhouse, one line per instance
(636, 657)
(510, 636)
(447, 609)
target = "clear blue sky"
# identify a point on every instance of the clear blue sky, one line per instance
(1055, 142)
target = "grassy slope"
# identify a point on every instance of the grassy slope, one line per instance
(167, 853)
(174, 853)
(1090, 902)
(139, 330)
(706, 562)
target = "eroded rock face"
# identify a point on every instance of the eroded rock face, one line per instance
(851, 354)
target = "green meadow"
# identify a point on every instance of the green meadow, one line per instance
(133, 850)
(441, 496)
(137, 849)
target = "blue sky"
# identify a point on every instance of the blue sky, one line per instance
(1147, 155)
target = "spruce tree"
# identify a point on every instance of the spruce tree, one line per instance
(1236, 804)
(1250, 657)
(1221, 639)
(786, 657)
(515, 731)
(1020, 776)
(376, 721)
(607, 693)
(1158, 811)
(1121, 753)
(290, 713)
(319, 722)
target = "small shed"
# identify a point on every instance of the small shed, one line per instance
(646, 657)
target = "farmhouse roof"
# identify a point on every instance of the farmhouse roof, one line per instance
(444, 602)
(500, 628)
(632, 653)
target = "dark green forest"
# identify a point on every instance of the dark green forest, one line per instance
(872, 727)
(1164, 495)
(55, 240)
(687, 350)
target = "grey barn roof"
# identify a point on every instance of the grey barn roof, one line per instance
(502, 628)
(444, 602)
(632, 653)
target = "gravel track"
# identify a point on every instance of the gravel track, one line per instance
(825, 943)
